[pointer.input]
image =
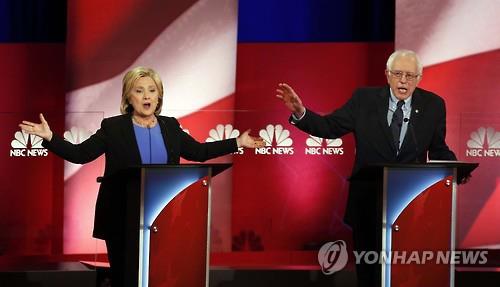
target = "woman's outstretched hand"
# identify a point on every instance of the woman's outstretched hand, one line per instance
(42, 129)
(248, 141)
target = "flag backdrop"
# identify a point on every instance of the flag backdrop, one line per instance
(461, 59)
(220, 61)
(32, 61)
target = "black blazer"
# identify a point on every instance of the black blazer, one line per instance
(365, 114)
(116, 139)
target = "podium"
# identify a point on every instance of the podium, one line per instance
(416, 207)
(168, 218)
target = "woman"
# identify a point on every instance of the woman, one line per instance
(138, 136)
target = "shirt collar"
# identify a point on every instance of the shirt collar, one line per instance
(393, 100)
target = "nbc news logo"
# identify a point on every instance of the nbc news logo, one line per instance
(485, 142)
(275, 134)
(25, 145)
(77, 135)
(222, 132)
(315, 146)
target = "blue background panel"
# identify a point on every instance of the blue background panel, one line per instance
(315, 21)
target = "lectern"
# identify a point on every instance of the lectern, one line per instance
(168, 217)
(417, 211)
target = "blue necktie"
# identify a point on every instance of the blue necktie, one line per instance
(396, 123)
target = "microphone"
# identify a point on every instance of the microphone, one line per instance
(413, 136)
(150, 148)
(150, 126)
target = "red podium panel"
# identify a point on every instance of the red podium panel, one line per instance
(168, 217)
(178, 255)
(417, 211)
(424, 226)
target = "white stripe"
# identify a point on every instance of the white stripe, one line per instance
(195, 56)
(440, 31)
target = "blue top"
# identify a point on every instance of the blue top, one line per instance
(151, 144)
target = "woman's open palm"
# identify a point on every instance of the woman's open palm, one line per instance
(42, 129)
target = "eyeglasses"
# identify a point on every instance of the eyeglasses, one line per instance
(409, 76)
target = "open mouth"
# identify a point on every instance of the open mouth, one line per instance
(403, 90)
(147, 105)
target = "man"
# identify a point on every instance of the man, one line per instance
(396, 123)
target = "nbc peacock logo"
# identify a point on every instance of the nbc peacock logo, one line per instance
(320, 146)
(77, 135)
(277, 141)
(222, 132)
(485, 142)
(25, 145)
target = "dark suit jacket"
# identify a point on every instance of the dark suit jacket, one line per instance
(116, 139)
(365, 114)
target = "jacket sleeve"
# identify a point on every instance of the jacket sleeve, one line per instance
(438, 148)
(81, 153)
(193, 150)
(333, 125)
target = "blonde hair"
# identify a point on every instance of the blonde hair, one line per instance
(128, 83)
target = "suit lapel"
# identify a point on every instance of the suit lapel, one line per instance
(128, 133)
(382, 108)
(416, 105)
(168, 143)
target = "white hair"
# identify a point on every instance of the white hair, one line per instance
(404, 53)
